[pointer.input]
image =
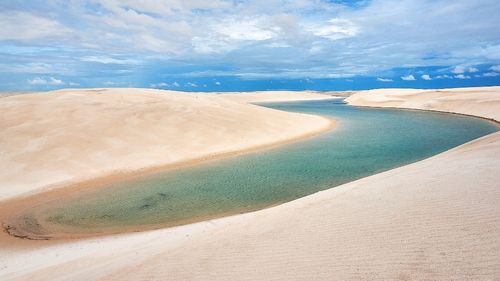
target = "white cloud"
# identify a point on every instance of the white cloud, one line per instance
(426, 77)
(208, 45)
(232, 33)
(165, 8)
(384, 79)
(24, 26)
(408, 78)
(473, 70)
(462, 76)
(32, 67)
(336, 29)
(108, 60)
(278, 45)
(45, 81)
(495, 68)
(491, 74)
(245, 30)
(132, 25)
(464, 69)
(444, 76)
(274, 38)
(159, 85)
(458, 70)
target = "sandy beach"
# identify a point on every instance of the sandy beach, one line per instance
(434, 219)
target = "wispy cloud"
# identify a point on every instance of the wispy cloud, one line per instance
(336, 29)
(24, 26)
(444, 76)
(409, 77)
(384, 79)
(45, 81)
(120, 40)
(159, 85)
(462, 76)
(108, 60)
(463, 69)
(426, 77)
(491, 74)
(495, 68)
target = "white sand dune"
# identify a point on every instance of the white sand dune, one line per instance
(479, 101)
(273, 96)
(68, 136)
(435, 219)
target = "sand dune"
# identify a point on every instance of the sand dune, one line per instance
(435, 219)
(273, 96)
(68, 136)
(479, 101)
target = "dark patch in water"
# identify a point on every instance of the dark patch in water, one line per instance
(153, 201)
(145, 207)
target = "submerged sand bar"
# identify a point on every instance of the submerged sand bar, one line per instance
(435, 219)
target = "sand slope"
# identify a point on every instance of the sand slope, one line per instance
(72, 135)
(417, 222)
(479, 101)
(435, 219)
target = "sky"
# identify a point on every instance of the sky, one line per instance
(245, 45)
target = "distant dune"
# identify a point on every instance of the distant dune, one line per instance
(273, 96)
(434, 219)
(479, 101)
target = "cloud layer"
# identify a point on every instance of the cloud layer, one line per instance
(143, 42)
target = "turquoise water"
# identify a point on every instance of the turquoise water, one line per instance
(365, 141)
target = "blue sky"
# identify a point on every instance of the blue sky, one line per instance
(223, 45)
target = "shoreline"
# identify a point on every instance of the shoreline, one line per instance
(90, 134)
(116, 177)
(183, 233)
(480, 102)
(492, 120)
(417, 221)
(56, 191)
(92, 184)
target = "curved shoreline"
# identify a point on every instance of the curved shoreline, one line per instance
(332, 251)
(7, 207)
(45, 197)
(58, 138)
(497, 122)
(481, 102)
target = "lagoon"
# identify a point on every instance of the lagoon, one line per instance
(365, 141)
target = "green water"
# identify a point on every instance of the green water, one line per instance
(366, 141)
